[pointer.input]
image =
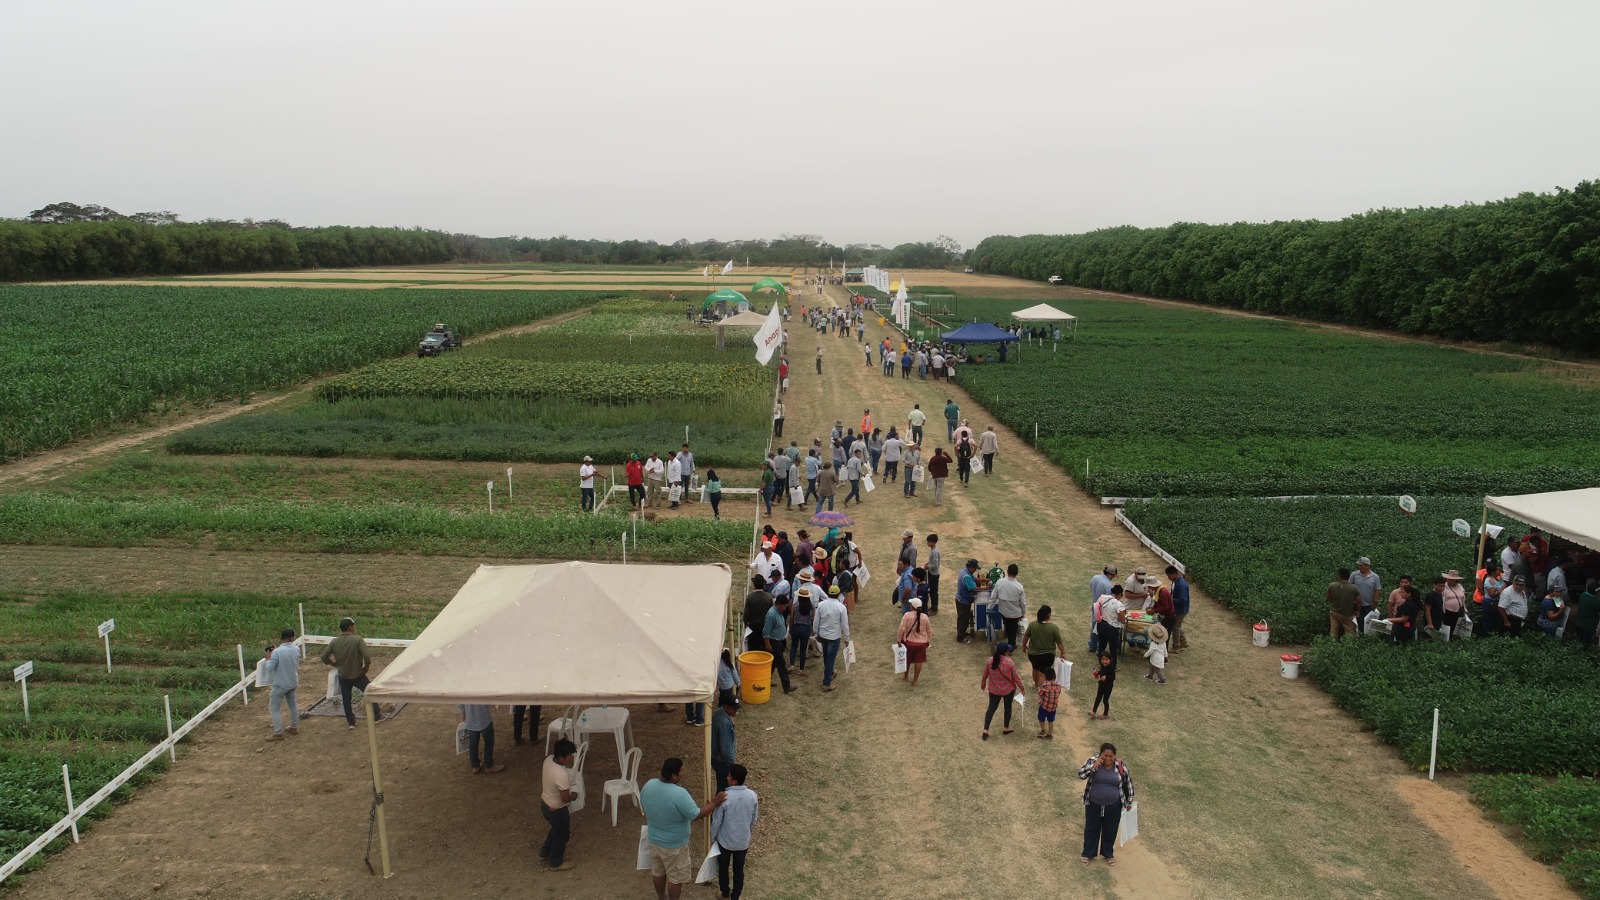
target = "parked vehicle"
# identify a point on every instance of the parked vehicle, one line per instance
(438, 340)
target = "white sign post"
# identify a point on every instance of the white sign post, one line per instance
(244, 690)
(66, 781)
(511, 492)
(172, 747)
(624, 548)
(104, 631)
(21, 673)
(491, 497)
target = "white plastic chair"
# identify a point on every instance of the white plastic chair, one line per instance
(626, 786)
(560, 727)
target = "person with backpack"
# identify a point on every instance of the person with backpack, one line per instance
(965, 451)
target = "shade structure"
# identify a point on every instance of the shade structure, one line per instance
(1574, 515)
(769, 284)
(726, 295)
(979, 333)
(746, 319)
(1044, 312)
(571, 632)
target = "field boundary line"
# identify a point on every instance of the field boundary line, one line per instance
(1124, 501)
(1154, 547)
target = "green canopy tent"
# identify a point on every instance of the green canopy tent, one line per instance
(729, 298)
(769, 284)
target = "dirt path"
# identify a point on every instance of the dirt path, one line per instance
(49, 465)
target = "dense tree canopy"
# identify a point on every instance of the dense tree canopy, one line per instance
(1525, 269)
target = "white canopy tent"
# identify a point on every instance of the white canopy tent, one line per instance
(747, 319)
(1574, 515)
(564, 633)
(1044, 312)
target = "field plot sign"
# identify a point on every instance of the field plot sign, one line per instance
(104, 631)
(21, 673)
(1461, 527)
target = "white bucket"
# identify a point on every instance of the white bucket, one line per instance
(1289, 665)
(1260, 634)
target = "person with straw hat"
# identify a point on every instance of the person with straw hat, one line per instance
(1157, 654)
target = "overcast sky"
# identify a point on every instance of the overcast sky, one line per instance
(864, 121)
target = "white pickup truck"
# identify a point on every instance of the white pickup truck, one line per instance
(1057, 279)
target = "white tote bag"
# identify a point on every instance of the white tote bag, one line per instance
(1064, 674)
(918, 474)
(866, 483)
(643, 860)
(977, 464)
(675, 493)
(462, 741)
(333, 684)
(849, 655)
(899, 658)
(797, 495)
(708, 869)
(1129, 827)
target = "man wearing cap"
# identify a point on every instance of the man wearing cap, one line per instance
(989, 445)
(654, 471)
(586, 484)
(1368, 584)
(833, 628)
(1552, 610)
(767, 564)
(908, 548)
(866, 421)
(635, 470)
(1099, 586)
(756, 604)
(1136, 590)
(1178, 639)
(827, 486)
(1110, 613)
(966, 595)
(349, 652)
(1343, 601)
(1513, 607)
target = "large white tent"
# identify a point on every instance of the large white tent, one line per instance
(1044, 312)
(1574, 515)
(564, 633)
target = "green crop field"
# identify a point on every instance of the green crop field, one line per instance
(624, 379)
(1559, 820)
(86, 357)
(1161, 402)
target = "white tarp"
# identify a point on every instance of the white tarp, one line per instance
(1574, 515)
(573, 632)
(746, 319)
(1044, 312)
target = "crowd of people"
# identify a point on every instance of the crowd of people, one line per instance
(1525, 587)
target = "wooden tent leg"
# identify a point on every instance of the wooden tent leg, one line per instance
(377, 787)
(711, 786)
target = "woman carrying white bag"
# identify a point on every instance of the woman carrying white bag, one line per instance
(916, 632)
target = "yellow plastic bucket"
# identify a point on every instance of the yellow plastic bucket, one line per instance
(755, 676)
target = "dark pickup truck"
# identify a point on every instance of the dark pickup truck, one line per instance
(440, 339)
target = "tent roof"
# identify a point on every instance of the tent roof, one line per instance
(1044, 312)
(572, 632)
(979, 333)
(770, 283)
(1574, 515)
(726, 295)
(747, 319)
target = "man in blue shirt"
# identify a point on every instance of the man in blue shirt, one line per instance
(731, 825)
(966, 595)
(905, 588)
(1180, 608)
(724, 749)
(480, 727)
(283, 665)
(668, 811)
(686, 459)
(1099, 586)
(776, 631)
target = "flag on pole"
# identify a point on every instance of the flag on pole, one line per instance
(902, 304)
(769, 336)
(706, 272)
(728, 269)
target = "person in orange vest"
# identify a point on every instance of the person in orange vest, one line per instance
(866, 421)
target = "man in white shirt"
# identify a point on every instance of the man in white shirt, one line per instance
(1012, 599)
(674, 476)
(555, 793)
(916, 417)
(1110, 613)
(833, 628)
(654, 469)
(1136, 590)
(1513, 606)
(1099, 586)
(686, 466)
(892, 448)
(586, 484)
(989, 445)
(767, 564)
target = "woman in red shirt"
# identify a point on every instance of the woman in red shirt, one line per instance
(635, 470)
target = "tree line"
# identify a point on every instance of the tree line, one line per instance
(1523, 270)
(68, 240)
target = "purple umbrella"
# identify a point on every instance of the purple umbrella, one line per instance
(830, 519)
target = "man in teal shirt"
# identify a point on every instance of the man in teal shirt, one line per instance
(668, 810)
(952, 418)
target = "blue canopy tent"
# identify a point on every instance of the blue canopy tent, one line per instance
(979, 333)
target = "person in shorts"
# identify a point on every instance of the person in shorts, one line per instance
(668, 811)
(1049, 696)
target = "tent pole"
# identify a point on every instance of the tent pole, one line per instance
(1483, 535)
(710, 775)
(377, 786)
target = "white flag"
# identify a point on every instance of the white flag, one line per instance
(728, 269)
(901, 296)
(768, 338)
(706, 272)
